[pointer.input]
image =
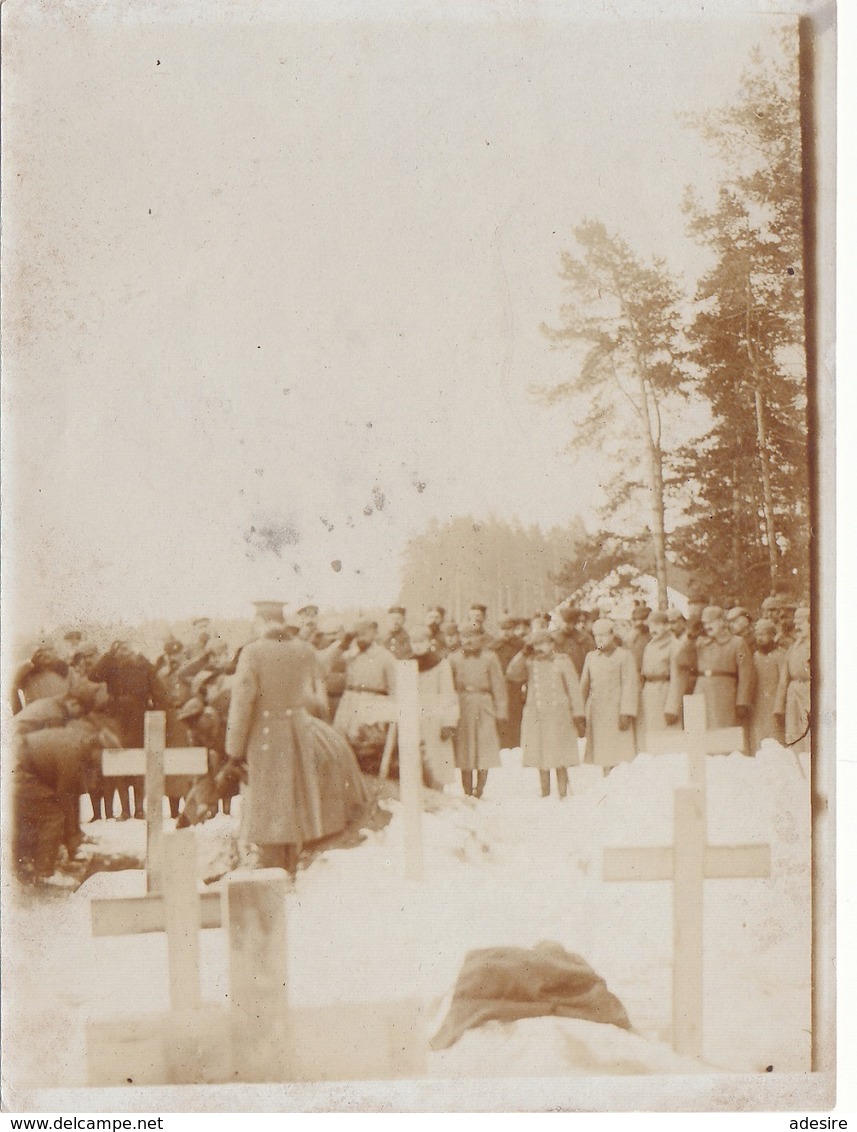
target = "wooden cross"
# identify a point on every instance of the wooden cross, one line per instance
(695, 741)
(404, 719)
(688, 863)
(154, 760)
(258, 1037)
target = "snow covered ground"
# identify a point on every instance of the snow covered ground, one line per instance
(514, 869)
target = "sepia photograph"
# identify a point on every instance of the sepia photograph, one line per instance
(418, 597)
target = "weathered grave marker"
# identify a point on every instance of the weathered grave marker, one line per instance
(154, 760)
(404, 720)
(695, 741)
(688, 864)
(259, 1036)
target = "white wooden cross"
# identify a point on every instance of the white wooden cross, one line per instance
(154, 760)
(258, 1037)
(695, 741)
(688, 864)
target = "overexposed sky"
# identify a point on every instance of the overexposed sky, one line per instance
(273, 288)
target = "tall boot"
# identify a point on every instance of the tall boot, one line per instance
(545, 780)
(95, 802)
(562, 781)
(467, 781)
(481, 779)
(174, 807)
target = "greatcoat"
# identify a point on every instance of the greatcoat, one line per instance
(610, 688)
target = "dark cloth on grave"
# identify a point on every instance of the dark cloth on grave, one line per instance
(504, 984)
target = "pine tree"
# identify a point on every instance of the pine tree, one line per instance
(623, 323)
(751, 517)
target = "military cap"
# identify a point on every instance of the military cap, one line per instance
(737, 611)
(481, 608)
(658, 617)
(366, 626)
(437, 609)
(570, 614)
(308, 611)
(641, 613)
(508, 623)
(397, 609)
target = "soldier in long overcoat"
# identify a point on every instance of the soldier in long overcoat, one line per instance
(768, 660)
(793, 695)
(553, 714)
(725, 672)
(610, 688)
(303, 779)
(481, 688)
(656, 673)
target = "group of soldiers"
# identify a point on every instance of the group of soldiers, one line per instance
(567, 686)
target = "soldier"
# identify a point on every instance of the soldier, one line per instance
(553, 714)
(475, 619)
(640, 635)
(439, 710)
(682, 668)
(44, 674)
(435, 618)
(134, 689)
(481, 688)
(574, 640)
(307, 617)
(450, 638)
(725, 673)
(610, 687)
(507, 646)
(397, 640)
(656, 674)
(740, 625)
(370, 679)
(792, 706)
(768, 660)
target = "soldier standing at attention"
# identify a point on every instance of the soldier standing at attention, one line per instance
(481, 688)
(725, 673)
(768, 661)
(610, 687)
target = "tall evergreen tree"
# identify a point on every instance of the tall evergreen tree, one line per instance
(751, 516)
(623, 322)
